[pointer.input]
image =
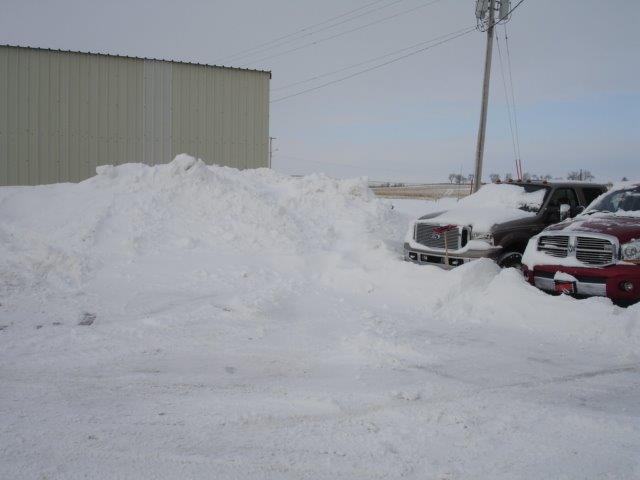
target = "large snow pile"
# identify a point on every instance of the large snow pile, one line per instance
(492, 204)
(185, 321)
(64, 235)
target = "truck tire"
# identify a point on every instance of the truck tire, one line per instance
(511, 259)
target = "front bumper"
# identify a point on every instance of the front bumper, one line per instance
(602, 282)
(425, 256)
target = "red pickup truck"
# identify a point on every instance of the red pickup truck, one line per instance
(595, 253)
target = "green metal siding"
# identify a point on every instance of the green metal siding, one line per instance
(64, 113)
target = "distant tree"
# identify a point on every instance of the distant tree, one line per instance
(526, 176)
(508, 176)
(495, 177)
(580, 175)
(546, 177)
(452, 177)
(624, 179)
(458, 178)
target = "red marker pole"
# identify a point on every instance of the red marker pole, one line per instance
(443, 231)
(446, 250)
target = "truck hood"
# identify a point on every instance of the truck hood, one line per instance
(481, 219)
(623, 228)
(493, 204)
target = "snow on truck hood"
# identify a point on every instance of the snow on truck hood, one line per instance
(624, 229)
(616, 213)
(492, 204)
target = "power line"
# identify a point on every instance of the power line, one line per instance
(340, 34)
(305, 30)
(513, 97)
(361, 72)
(506, 96)
(504, 19)
(297, 32)
(333, 72)
(514, 8)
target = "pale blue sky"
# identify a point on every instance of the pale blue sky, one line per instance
(576, 65)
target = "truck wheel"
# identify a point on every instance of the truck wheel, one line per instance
(510, 260)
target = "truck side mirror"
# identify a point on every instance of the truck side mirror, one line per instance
(565, 210)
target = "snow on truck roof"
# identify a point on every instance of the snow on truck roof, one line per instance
(507, 196)
(496, 203)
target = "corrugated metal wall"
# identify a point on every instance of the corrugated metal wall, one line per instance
(64, 113)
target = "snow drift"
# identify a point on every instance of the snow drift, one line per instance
(62, 234)
(187, 321)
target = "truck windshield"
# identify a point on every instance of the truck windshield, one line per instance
(620, 201)
(540, 198)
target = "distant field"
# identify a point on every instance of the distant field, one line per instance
(432, 191)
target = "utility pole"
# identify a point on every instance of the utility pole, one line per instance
(485, 14)
(477, 179)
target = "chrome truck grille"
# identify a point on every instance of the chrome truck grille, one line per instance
(594, 251)
(586, 249)
(556, 245)
(425, 235)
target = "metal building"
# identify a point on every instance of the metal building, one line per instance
(64, 113)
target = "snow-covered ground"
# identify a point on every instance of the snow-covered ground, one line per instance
(181, 321)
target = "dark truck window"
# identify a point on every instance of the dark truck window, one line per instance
(564, 196)
(591, 193)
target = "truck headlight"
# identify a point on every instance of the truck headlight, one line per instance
(487, 237)
(631, 251)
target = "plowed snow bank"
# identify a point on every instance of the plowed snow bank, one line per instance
(62, 234)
